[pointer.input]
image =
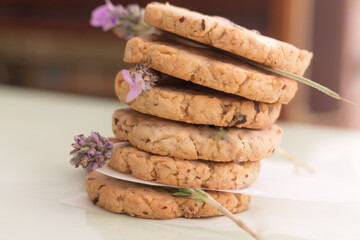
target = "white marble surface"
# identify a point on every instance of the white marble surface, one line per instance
(36, 130)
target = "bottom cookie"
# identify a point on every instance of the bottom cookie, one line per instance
(150, 202)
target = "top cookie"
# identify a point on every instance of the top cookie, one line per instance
(222, 33)
(209, 68)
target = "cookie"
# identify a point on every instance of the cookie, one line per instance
(223, 34)
(192, 142)
(187, 102)
(210, 69)
(143, 201)
(184, 173)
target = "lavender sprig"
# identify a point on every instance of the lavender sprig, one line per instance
(202, 196)
(298, 78)
(91, 152)
(278, 71)
(126, 22)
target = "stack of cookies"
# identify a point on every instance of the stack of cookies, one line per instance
(207, 122)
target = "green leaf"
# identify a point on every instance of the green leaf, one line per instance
(201, 193)
(182, 194)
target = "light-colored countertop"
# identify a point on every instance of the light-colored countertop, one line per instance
(36, 130)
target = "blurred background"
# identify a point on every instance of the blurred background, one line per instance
(50, 45)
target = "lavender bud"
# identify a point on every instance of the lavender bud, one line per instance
(72, 152)
(108, 154)
(81, 143)
(84, 150)
(77, 138)
(99, 145)
(100, 158)
(76, 161)
(103, 139)
(75, 145)
(91, 152)
(101, 164)
(94, 136)
(84, 162)
(93, 166)
(108, 145)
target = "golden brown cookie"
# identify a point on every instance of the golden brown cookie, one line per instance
(184, 173)
(187, 102)
(143, 201)
(210, 69)
(222, 33)
(193, 142)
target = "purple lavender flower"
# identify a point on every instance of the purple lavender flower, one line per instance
(125, 22)
(90, 152)
(104, 16)
(142, 79)
(136, 86)
(108, 154)
(148, 75)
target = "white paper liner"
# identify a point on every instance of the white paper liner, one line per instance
(277, 179)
